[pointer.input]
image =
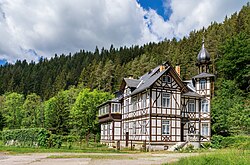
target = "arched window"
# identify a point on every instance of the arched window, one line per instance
(204, 106)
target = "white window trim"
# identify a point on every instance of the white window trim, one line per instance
(204, 106)
(167, 97)
(205, 132)
(143, 127)
(191, 103)
(166, 125)
(134, 127)
(203, 84)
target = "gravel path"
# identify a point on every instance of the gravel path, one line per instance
(126, 159)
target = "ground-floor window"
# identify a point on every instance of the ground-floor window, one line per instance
(204, 129)
(165, 127)
(143, 127)
(134, 127)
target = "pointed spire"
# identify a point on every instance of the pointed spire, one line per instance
(203, 56)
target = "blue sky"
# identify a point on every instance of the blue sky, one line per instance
(42, 28)
(158, 6)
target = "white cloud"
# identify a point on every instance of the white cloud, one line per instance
(62, 26)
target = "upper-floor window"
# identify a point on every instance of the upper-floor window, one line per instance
(202, 84)
(165, 127)
(204, 106)
(134, 103)
(191, 106)
(127, 106)
(166, 79)
(166, 100)
(104, 110)
(204, 129)
(144, 101)
(115, 108)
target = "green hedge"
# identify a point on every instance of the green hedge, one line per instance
(26, 137)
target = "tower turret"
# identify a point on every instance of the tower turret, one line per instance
(203, 59)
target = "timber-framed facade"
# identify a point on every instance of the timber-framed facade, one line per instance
(159, 109)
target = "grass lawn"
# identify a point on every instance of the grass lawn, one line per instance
(218, 157)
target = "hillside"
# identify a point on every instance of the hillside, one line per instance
(51, 80)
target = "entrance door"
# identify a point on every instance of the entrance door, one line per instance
(182, 132)
(127, 136)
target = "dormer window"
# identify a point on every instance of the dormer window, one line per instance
(202, 84)
(166, 79)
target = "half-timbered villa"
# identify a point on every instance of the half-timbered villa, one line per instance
(160, 110)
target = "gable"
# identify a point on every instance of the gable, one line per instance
(174, 83)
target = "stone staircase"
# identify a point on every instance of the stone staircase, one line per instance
(178, 145)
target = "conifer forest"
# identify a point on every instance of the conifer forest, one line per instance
(61, 94)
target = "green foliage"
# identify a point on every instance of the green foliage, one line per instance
(57, 110)
(230, 114)
(84, 111)
(32, 110)
(240, 142)
(236, 157)
(234, 64)
(12, 110)
(25, 137)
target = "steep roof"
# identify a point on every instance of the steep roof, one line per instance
(148, 80)
(132, 82)
(203, 75)
(192, 94)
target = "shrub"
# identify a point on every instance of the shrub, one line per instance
(25, 137)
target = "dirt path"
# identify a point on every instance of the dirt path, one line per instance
(91, 158)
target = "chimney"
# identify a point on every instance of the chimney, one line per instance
(162, 67)
(178, 69)
(130, 76)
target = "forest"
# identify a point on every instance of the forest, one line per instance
(61, 93)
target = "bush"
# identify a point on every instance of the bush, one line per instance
(1, 137)
(231, 141)
(55, 141)
(25, 137)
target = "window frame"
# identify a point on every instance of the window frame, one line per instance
(165, 127)
(143, 127)
(205, 129)
(203, 84)
(126, 106)
(204, 106)
(134, 127)
(166, 103)
(191, 103)
(166, 79)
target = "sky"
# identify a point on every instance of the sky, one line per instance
(31, 29)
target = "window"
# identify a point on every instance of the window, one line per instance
(202, 84)
(108, 129)
(191, 106)
(165, 127)
(126, 126)
(204, 106)
(165, 100)
(204, 129)
(143, 127)
(134, 103)
(115, 107)
(144, 101)
(104, 129)
(127, 106)
(134, 127)
(166, 79)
